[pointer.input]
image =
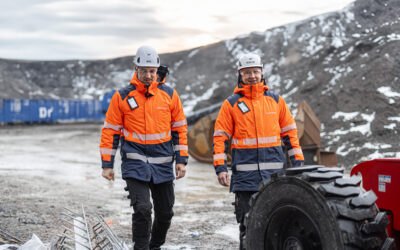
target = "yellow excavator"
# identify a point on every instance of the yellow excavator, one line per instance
(201, 129)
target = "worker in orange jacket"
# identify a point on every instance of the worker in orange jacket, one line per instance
(147, 118)
(255, 119)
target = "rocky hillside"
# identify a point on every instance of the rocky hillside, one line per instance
(345, 64)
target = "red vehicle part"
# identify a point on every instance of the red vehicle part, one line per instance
(383, 177)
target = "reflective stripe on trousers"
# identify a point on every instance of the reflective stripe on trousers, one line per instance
(263, 166)
(154, 160)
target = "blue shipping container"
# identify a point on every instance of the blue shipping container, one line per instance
(48, 111)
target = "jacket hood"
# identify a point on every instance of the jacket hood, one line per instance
(142, 88)
(251, 90)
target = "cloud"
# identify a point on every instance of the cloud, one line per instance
(221, 19)
(90, 29)
(75, 28)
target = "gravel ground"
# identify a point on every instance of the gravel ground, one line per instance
(46, 168)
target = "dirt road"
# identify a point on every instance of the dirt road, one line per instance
(44, 168)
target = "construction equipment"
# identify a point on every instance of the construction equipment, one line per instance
(382, 176)
(320, 208)
(200, 136)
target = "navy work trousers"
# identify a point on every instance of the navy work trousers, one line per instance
(144, 234)
(242, 207)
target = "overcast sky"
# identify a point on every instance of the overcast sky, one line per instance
(100, 29)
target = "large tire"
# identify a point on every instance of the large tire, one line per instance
(314, 207)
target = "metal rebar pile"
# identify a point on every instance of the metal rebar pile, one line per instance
(77, 233)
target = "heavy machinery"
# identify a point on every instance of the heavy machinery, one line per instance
(317, 208)
(200, 136)
(382, 177)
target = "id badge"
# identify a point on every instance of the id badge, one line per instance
(243, 107)
(132, 103)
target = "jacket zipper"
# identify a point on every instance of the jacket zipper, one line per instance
(145, 102)
(255, 125)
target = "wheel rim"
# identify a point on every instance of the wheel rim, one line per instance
(290, 228)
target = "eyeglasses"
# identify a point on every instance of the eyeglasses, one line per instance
(145, 71)
(250, 72)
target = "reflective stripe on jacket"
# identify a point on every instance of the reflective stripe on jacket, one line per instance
(255, 120)
(153, 131)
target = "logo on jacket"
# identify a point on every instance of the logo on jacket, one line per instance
(132, 103)
(243, 107)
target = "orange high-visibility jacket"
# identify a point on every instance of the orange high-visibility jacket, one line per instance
(152, 127)
(255, 120)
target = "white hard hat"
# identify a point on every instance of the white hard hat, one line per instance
(146, 56)
(249, 60)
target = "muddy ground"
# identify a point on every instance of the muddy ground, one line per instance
(45, 168)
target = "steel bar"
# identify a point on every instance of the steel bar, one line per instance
(9, 237)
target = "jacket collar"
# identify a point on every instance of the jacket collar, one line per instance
(142, 88)
(252, 91)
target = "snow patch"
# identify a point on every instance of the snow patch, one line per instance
(346, 53)
(304, 37)
(314, 45)
(274, 81)
(337, 73)
(288, 94)
(237, 49)
(388, 92)
(194, 52)
(347, 12)
(177, 64)
(393, 37)
(342, 149)
(390, 126)
(231, 231)
(397, 119)
(268, 68)
(288, 83)
(370, 145)
(364, 129)
(377, 155)
(310, 76)
(346, 115)
(337, 42)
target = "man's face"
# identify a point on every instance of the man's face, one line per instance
(146, 74)
(251, 75)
